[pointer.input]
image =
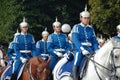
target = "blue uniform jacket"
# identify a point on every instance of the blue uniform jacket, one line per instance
(11, 52)
(57, 41)
(82, 35)
(24, 42)
(41, 47)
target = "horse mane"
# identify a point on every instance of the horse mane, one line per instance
(103, 53)
(43, 61)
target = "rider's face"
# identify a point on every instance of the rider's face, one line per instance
(24, 29)
(45, 38)
(85, 20)
(57, 29)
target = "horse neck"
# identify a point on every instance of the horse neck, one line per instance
(1, 54)
(103, 55)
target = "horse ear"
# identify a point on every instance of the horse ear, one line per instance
(40, 59)
(48, 61)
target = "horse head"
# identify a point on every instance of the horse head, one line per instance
(40, 68)
(115, 58)
(109, 56)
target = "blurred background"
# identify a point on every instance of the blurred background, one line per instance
(105, 16)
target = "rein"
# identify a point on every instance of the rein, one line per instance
(29, 72)
(113, 70)
(113, 63)
(94, 62)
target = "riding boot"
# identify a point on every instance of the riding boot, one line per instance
(13, 77)
(75, 72)
(50, 76)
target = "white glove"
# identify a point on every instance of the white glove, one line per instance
(84, 52)
(59, 54)
(65, 55)
(24, 60)
(13, 57)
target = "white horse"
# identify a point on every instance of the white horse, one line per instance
(105, 65)
(2, 63)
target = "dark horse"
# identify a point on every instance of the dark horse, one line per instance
(35, 69)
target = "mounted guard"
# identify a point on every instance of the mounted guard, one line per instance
(85, 41)
(41, 45)
(24, 47)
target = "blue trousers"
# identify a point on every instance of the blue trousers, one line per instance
(53, 62)
(78, 57)
(18, 63)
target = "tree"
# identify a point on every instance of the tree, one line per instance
(38, 13)
(8, 14)
(105, 15)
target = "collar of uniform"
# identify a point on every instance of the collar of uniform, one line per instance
(43, 40)
(70, 41)
(23, 33)
(83, 25)
(56, 33)
(118, 35)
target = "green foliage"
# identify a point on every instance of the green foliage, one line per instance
(39, 14)
(105, 15)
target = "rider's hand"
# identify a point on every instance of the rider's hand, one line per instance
(23, 60)
(59, 54)
(84, 52)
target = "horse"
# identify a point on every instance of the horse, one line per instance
(35, 69)
(104, 65)
(2, 63)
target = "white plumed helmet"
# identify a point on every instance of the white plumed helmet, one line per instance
(118, 27)
(56, 23)
(66, 28)
(85, 13)
(24, 23)
(45, 32)
(17, 33)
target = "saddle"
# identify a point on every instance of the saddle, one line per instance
(6, 75)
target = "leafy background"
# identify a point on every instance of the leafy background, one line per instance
(105, 16)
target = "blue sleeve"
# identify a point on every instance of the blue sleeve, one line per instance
(34, 53)
(75, 38)
(16, 47)
(10, 51)
(50, 45)
(38, 48)
(68, 47)
(17, 50)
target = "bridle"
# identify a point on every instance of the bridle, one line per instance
(38, 72)
(113, 66)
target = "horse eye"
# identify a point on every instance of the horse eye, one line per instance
(116, 56)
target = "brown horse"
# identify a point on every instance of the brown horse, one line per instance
(35, 69)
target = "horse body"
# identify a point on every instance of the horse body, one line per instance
(102, 57)
(35, 69)
(100, 67)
